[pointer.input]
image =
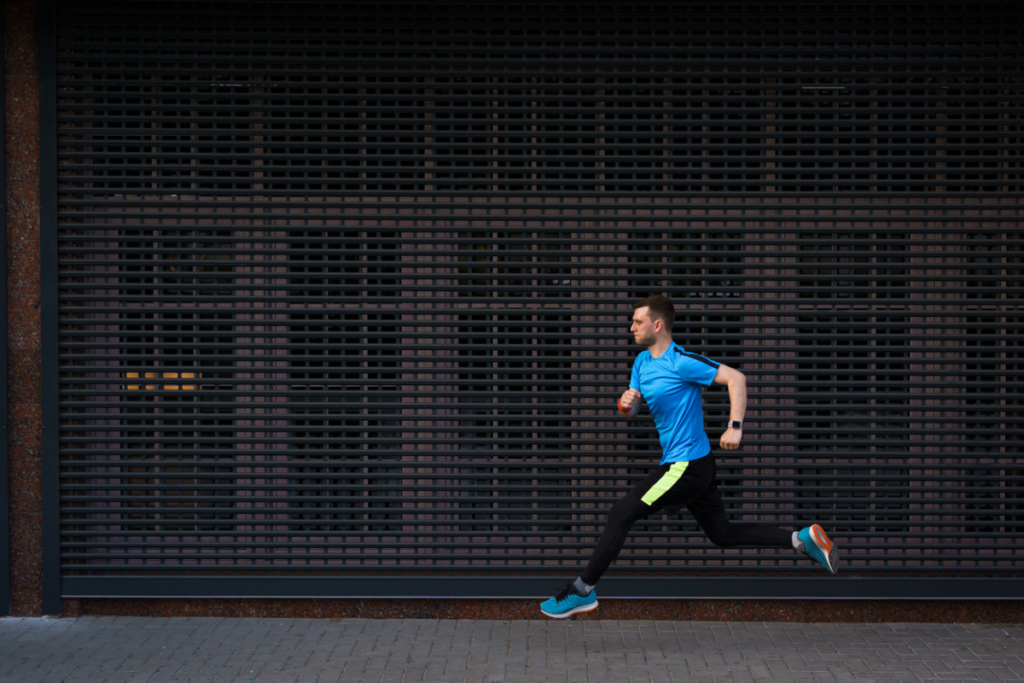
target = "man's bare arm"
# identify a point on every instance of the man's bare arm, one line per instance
(737, 383)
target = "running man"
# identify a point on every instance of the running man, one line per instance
(670, 378)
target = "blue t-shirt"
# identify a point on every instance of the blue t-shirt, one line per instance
(671, 385)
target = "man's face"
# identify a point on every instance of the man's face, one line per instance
(644, 327)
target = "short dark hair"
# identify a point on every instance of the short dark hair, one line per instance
(661, 309)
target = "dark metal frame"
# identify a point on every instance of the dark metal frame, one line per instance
(179, 585)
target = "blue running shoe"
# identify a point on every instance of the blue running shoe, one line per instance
(818, 547)
(568, 603)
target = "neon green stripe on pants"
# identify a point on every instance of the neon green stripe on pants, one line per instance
(667, 481)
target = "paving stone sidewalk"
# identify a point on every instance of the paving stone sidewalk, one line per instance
(139, 649)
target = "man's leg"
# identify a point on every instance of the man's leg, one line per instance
(666, 485)
(709, 511)
(580, 596)
(629, 510)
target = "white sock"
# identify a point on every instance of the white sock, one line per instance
(797, 545)
(582, 589)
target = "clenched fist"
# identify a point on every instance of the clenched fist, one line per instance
(629, 402)
(731, 439)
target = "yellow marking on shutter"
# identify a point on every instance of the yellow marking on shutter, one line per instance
(166, 375)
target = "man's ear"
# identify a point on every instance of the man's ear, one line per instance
(658, 325)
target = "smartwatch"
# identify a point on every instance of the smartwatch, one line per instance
(735, 425)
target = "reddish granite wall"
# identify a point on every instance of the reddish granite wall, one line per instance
(23, 323)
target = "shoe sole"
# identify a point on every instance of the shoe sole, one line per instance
(827, 547)
(578, 610)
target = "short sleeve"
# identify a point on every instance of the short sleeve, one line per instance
(693, 367)
(634, 379)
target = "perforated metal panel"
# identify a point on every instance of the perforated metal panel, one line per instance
(345, 289)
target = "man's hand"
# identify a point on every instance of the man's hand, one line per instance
(731, 439)
(629, 402)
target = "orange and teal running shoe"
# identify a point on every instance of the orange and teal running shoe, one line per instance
(819, 547)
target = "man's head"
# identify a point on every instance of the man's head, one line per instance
(652, 317)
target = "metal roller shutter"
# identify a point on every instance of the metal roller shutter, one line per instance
(344, 291)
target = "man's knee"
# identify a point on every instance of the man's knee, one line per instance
(720, 534)
(722, 540)
(628, 510)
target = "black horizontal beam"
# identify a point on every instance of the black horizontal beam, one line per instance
(382, 526)
(510, 587)
(844, 216)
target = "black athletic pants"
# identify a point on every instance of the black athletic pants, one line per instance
(669, 489)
